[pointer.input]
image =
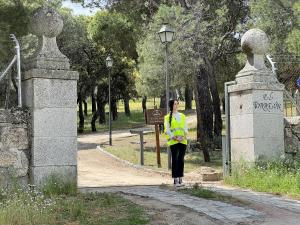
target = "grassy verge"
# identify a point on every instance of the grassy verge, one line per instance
(129, 150)
(135, 120)
(205, 193)
(273, 177)
(63, 206)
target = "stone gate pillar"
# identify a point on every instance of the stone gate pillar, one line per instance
(50, 91)
(256, 106)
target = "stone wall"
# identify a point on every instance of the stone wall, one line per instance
(292, 135)
(14, 146)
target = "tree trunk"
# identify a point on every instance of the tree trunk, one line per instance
(162, 101)
(204, 112)
(93, 121)
(114, 110)
(85, 107)
(215, 100)
(94, 108)
(101, 112)
(188, 95)
(144, 105)
(96, 114)
(81, 116)
(126, 106)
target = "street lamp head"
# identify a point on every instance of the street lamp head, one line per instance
(109, 61)
(166, 34)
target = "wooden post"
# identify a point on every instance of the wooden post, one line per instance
(157, 145)
(142, 148)
(140, 131)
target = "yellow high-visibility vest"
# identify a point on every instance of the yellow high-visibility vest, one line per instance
(177, 128)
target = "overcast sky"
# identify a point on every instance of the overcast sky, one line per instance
(77, 8)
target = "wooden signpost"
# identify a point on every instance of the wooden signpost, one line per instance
(156, 117)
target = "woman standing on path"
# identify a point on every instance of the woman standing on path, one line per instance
(176, 132)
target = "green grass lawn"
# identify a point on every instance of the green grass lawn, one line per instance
(134, 121)
(59, 204)
(129, 150)
(273, 177)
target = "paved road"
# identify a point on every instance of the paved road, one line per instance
(263, 209)
(220, 212)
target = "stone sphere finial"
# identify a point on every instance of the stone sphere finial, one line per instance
(255, 41)
(45, 21)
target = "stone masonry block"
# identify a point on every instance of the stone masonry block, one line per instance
(55, 122)
(15, 160)
(268, 125)
(291, 145)
(14, 137)
(241, 126)
(268, 102)
(7, 159)
(57, 151)
(51, 74)
(39, 175)
(21, 163)
(240, 103)
(54, 93)
(242, 150)
(268, 148)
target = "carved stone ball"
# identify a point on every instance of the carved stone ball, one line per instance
(255, 41)
(45, 21)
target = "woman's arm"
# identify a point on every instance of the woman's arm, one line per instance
(185, 127)
(167, 129)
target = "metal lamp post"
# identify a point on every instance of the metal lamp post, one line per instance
(109, 64)
(166, 34)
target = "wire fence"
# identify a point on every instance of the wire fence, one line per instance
(10, 85)
(290, 109)
(291, 101)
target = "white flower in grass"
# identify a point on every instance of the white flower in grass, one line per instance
(282, 156)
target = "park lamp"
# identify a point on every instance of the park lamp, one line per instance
(166, 34)
(109, 62)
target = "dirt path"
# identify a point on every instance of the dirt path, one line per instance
(96, 169)
(100, 172)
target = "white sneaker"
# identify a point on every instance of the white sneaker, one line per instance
(181, 181)
(178, 185)
(176, 181)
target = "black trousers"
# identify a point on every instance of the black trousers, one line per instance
(178, 152)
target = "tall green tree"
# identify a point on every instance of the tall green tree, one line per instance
(280, 20)
(116, 34)
(205, 36)
(75, 43)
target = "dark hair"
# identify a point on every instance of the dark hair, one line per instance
(171, 105)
